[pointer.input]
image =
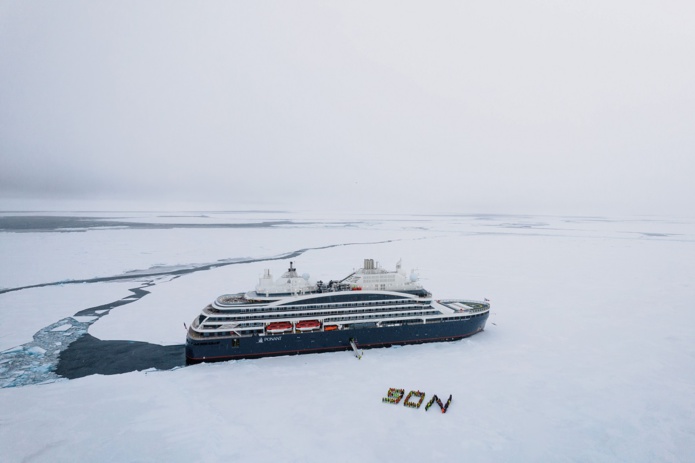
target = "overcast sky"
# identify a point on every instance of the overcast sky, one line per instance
(576, 107)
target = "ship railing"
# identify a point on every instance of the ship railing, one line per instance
(324, 309)
(230, 299)
(464, 301)
(194, 334)
(465, 305)
(372, 315)
(383, 317)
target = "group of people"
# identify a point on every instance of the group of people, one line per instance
(417, 404)
(439, 402)
(394, 396)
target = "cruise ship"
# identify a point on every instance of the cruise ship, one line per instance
(371, 307)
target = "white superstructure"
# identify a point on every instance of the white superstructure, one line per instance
(370, 295)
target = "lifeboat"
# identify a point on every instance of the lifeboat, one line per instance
(308, 325)
(279, 327)
(330, 327)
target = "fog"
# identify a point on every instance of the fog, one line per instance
(533, 107)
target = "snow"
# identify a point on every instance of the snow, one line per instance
(588, 355)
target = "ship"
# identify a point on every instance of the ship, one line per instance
(371, 307)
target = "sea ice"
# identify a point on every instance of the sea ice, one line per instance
(65, 327)
(587, 355)
(36, 350)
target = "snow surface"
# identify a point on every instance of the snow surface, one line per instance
(588, 355)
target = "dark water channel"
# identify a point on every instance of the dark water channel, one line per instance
(91, 356)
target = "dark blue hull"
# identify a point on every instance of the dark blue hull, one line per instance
(217, 349)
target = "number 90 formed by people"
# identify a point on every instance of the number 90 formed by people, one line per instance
(394, 396)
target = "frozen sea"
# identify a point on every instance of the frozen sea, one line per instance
(588, 354)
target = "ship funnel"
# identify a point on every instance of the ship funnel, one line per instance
(369, 264)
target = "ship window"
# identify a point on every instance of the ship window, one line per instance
(235, 343)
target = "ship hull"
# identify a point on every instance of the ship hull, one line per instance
(220, 349)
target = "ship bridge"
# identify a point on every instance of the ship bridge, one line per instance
(373, 277)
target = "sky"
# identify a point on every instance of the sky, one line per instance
(371, 106)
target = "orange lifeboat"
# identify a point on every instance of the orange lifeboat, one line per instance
(330, 327)
(308, 325)
(279, 327)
